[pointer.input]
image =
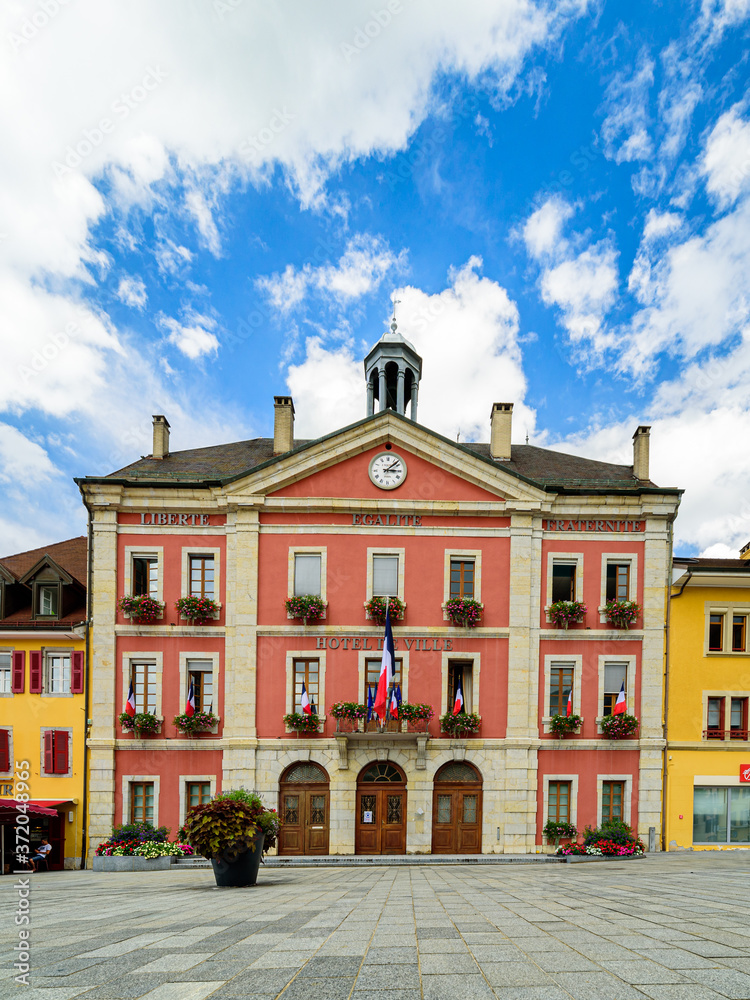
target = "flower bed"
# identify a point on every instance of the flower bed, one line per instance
(463, 612)
(375, 609)
(603, 848)
(562, 614)
(141, 608)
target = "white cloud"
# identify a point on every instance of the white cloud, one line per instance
(726, 161)
(172, 258)
(473, 311)
(542, 231)
(659, 224)
(132, 291)
(193, 337)
(584, 288)
(625, 129)
(198, 207)
(22, 462)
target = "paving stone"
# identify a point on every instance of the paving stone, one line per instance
(261, 981)
(677, 958)
(175, 962)
(127, 989)
(319, 989)
(436, 964)
(396, 978)
(711, 949)
(455, 987)
(637, 972)
(330, 966)
(182, 991)
(394, 956)
(567, 961)
(514, 974)
(596, 986)
(281, 960)
(407, 994)
(442, 946)
(531, 993)
(497, 953)
(691, 992)
(735, 985)
(436, 932)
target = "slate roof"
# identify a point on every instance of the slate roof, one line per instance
(543, 467)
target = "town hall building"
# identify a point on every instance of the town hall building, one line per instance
(384, 507)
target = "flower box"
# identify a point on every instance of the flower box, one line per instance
(141, 609)
(563, 614)
(622, 614)
(310, 608)
(462, 725)
(563, 725)
(141, 724)
(462, 612)
(375, 609)
(200, 722)
(197, 609)
(619, 727)
(301, 722)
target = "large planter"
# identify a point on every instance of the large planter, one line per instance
(243, 871)
(118, 863)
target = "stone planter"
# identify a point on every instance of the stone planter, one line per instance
(242, 872)
(116, 863)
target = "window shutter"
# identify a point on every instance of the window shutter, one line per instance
(61, 751)
(76, 674)
(35, 670)
(19, 671)
(49, 756)
(4, 750)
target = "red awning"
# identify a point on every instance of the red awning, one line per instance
(9, 808)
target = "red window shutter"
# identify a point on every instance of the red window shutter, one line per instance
(4, 750)
(61, 751)
(35, 670)
(49, 751)
(18, 681)
(76, 674)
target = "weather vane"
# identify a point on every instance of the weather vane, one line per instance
(396, 302)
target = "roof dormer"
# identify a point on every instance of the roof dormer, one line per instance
(52, 590)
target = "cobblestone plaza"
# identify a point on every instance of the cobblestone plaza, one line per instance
(667, 927)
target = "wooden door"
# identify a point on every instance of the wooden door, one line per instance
(381, 819)
(457, 810)
(304, 819)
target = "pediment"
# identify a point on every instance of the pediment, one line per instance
(46, 570)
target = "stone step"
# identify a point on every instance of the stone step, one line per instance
(361, 860)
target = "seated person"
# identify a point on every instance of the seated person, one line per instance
(41, 854)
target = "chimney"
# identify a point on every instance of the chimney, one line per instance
(501, 418)
(283, 424)
(161, 437)
(640, 452)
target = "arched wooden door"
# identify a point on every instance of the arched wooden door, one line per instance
(381, 810)
(304, 809)
(457, 810)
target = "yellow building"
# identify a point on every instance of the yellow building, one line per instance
(707, 774)
(43, 701)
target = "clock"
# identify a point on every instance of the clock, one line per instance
(387, 470)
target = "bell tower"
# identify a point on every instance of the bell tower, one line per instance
(392, 371)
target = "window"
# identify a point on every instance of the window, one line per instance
(57, 673)
(462, 578)
(47, 600)
(306, 672)
(141, 802)
(307, 568)
(5, 756)
(200, 672)
(715, 719)
(716, 633)
(739, 632)
(143, 676)
(615, 675)
(372, 676)
(385, 576)
(56, 751)
(197, 793)
(721, 815)
(563, 581)
(560, 686)
(618, 581)
(6, 675)
(558, 797)
(738, 719)
(613, 800)
(146, 576)
(460, 670)
(202, 576)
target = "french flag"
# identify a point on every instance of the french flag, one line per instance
(130, 703)
(569, 709)
(369, 703)
(395, 702)
(386, 671)
(458, 704)
(620, 704)
(305, 701)
(190, 703)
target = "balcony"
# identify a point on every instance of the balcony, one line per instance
(393, 733)
(725, 734)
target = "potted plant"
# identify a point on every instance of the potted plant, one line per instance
(464, 612)
(622, 614)
(301, 722)
(416, 716)
(200, 722)
(462, 724)
(142, 723)
(375, 609)
(563, 725)
(197, 609)
(141, 608)
(308, 607)
(232, 830)
(565, 613)
(350, 712)
(553, 831)
(138, 847)
(619, 727)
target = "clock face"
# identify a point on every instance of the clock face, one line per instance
(387, 470)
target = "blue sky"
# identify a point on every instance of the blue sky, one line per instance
(208, 203)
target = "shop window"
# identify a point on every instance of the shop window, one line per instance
(739, 633)
(143, 676)
(146, 575)
(721, 815)
(56, 757)
(306, 672)
(716, 633)
(560, 686)
(558, 801)
(613, 800)
(141, 802)
(201, 570)
(197, 793)
(618, 582)
(460, 671)
(200, 673)
(307, 575)
(462, 579)
(615, 674)
(385, 576)
(563, 581)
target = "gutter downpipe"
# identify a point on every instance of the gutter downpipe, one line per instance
(87, 684)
